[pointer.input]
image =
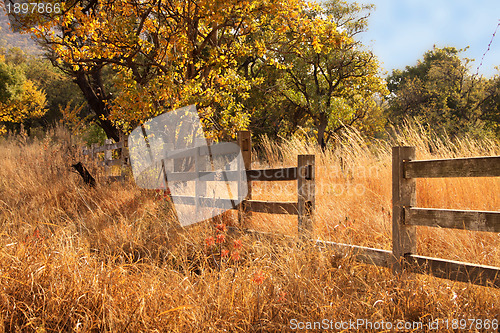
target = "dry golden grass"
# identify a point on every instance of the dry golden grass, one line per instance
(111, 259)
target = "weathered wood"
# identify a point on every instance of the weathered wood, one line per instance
(200, 186)
(205, 202)
(454, 270)
(404, 240)
(111, 162)
(367, 255)
(252, 175)
(93, 150)
(456, 167)
(207, 176)
(99, 149)
(225, 148)
(245, 145)
(305, 194)
(124, 155)
(455, 219)
(271, 207)
(279, 174)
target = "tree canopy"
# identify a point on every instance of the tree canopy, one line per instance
(441, 90)
(20, 98)
(135, 59)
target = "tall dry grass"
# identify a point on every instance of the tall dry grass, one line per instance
(112, 259)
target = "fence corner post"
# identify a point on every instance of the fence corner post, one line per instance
(306, 174)
(245, 144)
(404, 238)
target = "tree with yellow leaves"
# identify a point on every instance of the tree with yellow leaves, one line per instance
(160, 55)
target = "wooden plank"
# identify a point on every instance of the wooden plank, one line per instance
(367, 255)
(205, 202)
(271, 207)
(100, 149)
(225, 148)
(404, 239)
(454, 270)
(455, 219)
(200, 187)
(108, 157)
(456, 167)
(306, 195)
(112, 162)
(113, 146)
(252, 175)
(205, 176)
(116, 178)
(244, 193)
(279, 174)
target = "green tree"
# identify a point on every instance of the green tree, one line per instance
(20, 99)
(59, 89)
(323, 80)
(441, 90)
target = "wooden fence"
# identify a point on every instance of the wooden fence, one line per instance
(121, 158)
(304, 173)
(406, 215)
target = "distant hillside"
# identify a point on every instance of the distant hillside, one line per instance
(9, 39)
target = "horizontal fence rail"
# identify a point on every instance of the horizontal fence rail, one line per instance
(283, 174)
(454, 270)
(453, 219)
(271, 207)
(456, 167)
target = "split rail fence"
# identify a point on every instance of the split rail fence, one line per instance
(406, 215)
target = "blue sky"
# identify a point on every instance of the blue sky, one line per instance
(401, 31)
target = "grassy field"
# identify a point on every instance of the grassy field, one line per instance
(111, 258)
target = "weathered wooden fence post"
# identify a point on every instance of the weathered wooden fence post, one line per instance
(93, 151)
(306, 194)
(245, 143)
(200, 188)
(404, 238)
(108, 157)
(124, 156)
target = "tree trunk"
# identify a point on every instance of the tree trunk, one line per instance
(322, 123)
(94, 95)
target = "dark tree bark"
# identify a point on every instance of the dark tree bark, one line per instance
(93, 91)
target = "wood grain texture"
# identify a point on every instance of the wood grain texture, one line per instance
(456, 167)
(271, 207)
(454, 219)
(306, 194)
(404, 239)
(454, 270)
